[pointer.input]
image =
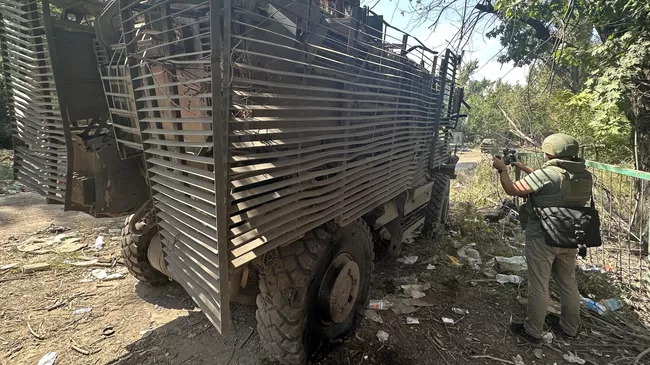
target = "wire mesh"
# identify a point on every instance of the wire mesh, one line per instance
(622, 197)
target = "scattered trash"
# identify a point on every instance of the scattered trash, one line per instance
(82, 310)
(115, 232)
(412, 320)
(99, 243)
(102, 275)
(446, 320)
(30, 268)
(593, 269)
(594, 306)
(612, 304)
(379, 304)
(489, 269)
(518, 360)
(48, 359)
(53, 229)
(462, 312)
(408, 260)
(8, 266)
(373, 316)
(382, 336)
(547, 337)
(470, 255)
(573, 359)
(415, 291)
(38, 245)
(453, 260)
(512, 279)
(511, 264)
(431, 267)
(538, 353)
(108, 331)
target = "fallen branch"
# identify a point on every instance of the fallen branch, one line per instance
(515, 129)
(493, 359)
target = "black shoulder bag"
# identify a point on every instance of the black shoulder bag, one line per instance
(570, 227)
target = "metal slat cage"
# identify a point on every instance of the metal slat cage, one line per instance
(39, 138)
(320, 116)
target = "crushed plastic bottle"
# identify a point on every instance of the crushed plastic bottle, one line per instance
(512, 279)
(612, 304)
(594, 306)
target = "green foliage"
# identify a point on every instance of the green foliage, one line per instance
(598, 52)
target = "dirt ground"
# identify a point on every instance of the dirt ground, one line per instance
(130, 323)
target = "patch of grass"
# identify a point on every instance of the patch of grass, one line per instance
(478, 187)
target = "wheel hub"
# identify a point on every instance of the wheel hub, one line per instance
(340, 288)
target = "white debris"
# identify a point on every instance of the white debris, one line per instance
(573, 359)
(103, 275)
(48, 359)
(373, 316)
(99, 242)
(415, 291)
(82, 310)
(470, 255)
(512, 279)
(408, 260)
(511, 264)
(8, 266)
(431, 267)
(446, 320)
(547, 337)
(412, 320)
(382, 336)
(460, 311)
(518, 360)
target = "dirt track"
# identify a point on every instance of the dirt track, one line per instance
(162, 325)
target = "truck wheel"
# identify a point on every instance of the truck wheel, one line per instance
(134, 252)
(311, 293)
(437, 209)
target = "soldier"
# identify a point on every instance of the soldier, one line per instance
(562, 181)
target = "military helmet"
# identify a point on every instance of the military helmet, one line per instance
(561, 145)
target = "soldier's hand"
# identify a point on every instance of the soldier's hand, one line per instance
(498, 163)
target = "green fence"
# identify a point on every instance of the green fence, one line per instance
(623, 199)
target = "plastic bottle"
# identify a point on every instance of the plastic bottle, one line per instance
(612, 304)
(379, 304)
(594, 306)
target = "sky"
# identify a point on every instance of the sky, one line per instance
(479, 47)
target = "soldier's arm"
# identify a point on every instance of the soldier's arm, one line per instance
(516, 188)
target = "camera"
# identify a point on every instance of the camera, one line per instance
(509, 155)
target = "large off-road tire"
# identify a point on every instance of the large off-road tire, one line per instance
(308, 297)
(438, 208)
(134, 252)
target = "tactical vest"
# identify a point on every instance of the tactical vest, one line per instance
(575, 191)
